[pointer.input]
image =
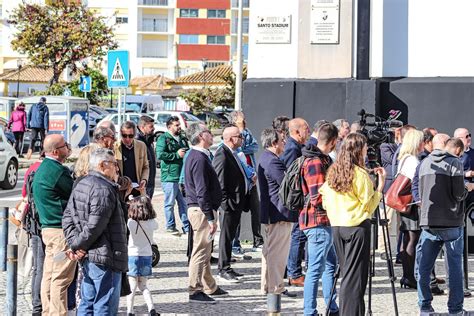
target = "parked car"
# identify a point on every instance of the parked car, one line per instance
(211, 116)
(161, 117)
(110, 110)
(134, 117)
(8, 163)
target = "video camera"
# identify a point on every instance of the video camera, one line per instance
(378, 131)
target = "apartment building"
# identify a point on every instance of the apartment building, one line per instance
(168, 37)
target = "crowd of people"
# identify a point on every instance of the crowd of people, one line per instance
(95, 224)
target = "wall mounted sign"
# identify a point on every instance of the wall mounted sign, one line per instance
(273, 30)
(324, 21)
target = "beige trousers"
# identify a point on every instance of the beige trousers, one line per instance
(275, 252)
(200, 276)
(392, 217)
(57, 275)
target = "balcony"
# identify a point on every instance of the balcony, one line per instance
(235, 4)
(153, 25)
(153, 49)
(245, 26)
(154, 3)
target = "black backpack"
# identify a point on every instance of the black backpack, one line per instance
(291, 191)
(31, 220)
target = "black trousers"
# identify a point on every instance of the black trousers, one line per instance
(229, 221)
(35, 132)
(37, 275)
(353, 249)
(255, 217)
(18, 142)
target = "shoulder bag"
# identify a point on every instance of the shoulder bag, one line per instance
(399, 195)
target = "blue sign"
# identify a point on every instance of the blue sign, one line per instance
(86, 84)
(118, 69)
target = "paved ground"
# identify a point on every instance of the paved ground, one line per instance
(169, 282)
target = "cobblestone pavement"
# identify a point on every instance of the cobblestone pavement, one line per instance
(169, 286)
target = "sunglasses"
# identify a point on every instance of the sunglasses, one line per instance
(65, 145)
(128, 136)
(468, 136)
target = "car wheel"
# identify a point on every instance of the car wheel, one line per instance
(11, 176)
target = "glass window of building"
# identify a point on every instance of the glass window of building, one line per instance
(188, 13)
(215, 40)
(215, 14)
(188, 39)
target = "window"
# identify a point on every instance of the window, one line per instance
(188, 13)
(162, 118)
(188, 39)
(121, 19)
(154, 49)
(215, 40)
(216, 14)
(212, 64)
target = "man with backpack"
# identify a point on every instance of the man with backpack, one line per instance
(299, 134)
(314, 222)
(38, 122)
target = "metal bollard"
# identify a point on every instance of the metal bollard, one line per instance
(3, 238)
(12, 279)
(273, 304)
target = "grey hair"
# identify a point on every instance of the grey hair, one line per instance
(234, 115)
(101, 132)
(269, 137)
(339, 123)
(99, 155)
(127, 125)
(108, 124)
(194, 131)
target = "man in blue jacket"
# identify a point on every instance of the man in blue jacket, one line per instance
(273, 215)
(38, 122)
(299, 134)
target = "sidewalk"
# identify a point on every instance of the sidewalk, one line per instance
(169, 281)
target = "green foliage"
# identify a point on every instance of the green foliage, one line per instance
(54, 89)
(99, 85)
(202, 100)
(60, 35)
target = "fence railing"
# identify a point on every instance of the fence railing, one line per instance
(153, 2)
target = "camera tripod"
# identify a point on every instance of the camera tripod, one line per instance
(383, 222)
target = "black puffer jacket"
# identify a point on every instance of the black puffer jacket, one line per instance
(93, 221)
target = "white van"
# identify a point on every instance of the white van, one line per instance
(144, 103)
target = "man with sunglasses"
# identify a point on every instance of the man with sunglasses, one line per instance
(235, 188)
(131, 156)
(52, 186)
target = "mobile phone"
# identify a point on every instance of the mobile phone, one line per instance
(135, 185)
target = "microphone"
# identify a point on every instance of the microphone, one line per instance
(361, 113)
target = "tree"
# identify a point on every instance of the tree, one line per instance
(201, 100)
(60, 35)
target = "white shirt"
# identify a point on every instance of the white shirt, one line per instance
(138, 244)
(407, 166)
(203, 150)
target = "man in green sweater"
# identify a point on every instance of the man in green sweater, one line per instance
(170, 149)
(52, 186)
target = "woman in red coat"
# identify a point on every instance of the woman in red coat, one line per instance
(17, 124)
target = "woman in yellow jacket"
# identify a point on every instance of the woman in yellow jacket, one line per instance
(349, 199)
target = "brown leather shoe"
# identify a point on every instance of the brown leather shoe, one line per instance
(440, 281)
(296, 282)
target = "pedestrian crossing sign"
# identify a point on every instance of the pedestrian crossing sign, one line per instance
(118, 69)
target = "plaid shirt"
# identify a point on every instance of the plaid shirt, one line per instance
(314, 173)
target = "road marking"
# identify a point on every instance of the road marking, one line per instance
(11, 198)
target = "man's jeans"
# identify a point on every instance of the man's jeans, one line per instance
(172, 194)
(429, 245)
(37, 275)
(297, 244)
(100, 290)
(321, 265)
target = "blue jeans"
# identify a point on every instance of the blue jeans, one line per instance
(298, 241)
(429, 245)
(321, 265)
(172, 194)
(100, 290)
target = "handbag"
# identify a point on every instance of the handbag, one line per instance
(399, 195)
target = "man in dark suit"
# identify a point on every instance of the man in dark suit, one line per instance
(235, 188)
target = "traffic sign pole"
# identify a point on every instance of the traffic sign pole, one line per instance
(119, 112)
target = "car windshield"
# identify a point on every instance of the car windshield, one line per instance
(190, 117)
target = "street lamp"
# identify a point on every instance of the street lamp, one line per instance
(204, 66)
(19, 64)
